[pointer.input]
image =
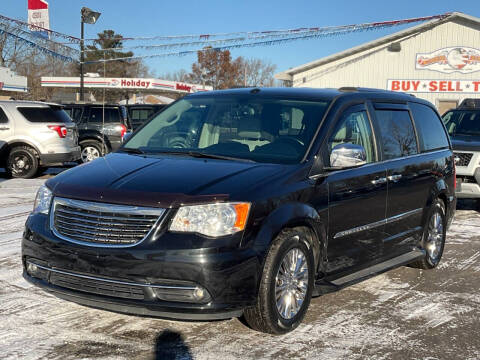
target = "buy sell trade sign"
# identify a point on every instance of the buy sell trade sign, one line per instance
(434, 86)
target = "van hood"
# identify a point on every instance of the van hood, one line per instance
(161, 181)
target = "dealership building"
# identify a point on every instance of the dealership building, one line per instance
(438, 61)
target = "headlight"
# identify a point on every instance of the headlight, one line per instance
(42, 200)
(211, 220)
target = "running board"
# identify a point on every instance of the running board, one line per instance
(379, 268)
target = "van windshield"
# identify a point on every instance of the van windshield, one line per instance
(462, 122)
(258, 129)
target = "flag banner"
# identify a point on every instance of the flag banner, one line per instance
(38, 18)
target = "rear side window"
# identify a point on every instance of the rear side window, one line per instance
(44, 114)
(398, 134)
(74, 113)
(3, 117)
(140, 114)
(112, 115)
(431, 133)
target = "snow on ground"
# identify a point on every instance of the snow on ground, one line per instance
(403, 314)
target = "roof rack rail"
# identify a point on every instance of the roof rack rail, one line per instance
(364, 89)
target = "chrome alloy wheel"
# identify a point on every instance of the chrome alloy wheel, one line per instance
(291, 283)
(435, 236)
(90, 153)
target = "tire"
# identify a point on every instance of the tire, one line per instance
(22, 162)
(91, 150)
(268, 315)
(433, 237)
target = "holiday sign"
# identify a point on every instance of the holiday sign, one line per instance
(124, 83)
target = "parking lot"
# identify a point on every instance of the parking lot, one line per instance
(403, 314)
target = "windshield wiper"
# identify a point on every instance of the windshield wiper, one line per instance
(198, 154)
(132, 150)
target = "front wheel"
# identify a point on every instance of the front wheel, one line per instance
(434, 235)
(286, 284)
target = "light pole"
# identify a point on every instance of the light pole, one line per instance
(88, 16)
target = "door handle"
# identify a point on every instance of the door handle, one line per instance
(395, 177)
(379, 181)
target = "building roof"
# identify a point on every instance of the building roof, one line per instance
(455, 16)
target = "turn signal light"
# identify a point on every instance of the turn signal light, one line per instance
(61, 130)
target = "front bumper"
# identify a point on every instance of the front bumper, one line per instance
(60, 158)
(470, 189)
(229, 275)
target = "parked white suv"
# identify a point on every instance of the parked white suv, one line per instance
(38, 135)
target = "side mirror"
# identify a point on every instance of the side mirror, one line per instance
(127, 136)
(347, 155)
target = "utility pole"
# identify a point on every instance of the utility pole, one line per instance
(90, 17)
(82, 59)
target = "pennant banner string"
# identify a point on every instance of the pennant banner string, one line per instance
(310, 35)
(70, 38)
(6, 27)
(286, 31)
(39, 47)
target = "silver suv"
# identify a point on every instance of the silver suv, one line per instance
(38, 135)
(463, 125)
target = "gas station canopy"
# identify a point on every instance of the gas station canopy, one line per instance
(124, 84)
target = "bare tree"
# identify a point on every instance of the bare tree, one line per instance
(257, 72)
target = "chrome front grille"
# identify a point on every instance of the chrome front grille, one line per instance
(463, 159)
(99, 224)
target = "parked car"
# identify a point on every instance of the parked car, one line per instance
(38, 135)
(140, 113)
(274, 196)
(470, 104)
(101, 128)
(463, 125)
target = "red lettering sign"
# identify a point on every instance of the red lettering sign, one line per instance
(183, 87)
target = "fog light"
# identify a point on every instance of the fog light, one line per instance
(198, 293)
(37, 271)
(32, 268)
(182, 293)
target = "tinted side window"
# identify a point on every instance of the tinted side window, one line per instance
(354, 128)
(112, 115)
(398, 135)
(3, 117)
(44, 114)
(140, 114)
(431, 133)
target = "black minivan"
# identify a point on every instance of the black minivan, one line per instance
(248, 202)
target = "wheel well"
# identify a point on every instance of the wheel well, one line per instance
(443, 197)
(314, 239)
(15, 144)
(106, 143)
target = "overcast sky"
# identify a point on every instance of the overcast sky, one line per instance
(160, 17)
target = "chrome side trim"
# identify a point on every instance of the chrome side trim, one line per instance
(377, 223)
(111, 208)
(112, 281)
(383, 162)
